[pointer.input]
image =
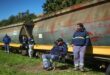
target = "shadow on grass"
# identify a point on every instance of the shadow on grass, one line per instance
(63, 67)
(89, 66)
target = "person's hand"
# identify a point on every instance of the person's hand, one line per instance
(72, 45)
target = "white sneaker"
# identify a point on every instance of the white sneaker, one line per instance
(76, 68)
(82, 69)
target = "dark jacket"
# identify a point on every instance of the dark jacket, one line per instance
(31, 41)
(59, 50)
(24, 40)
(24, 43)
(6, 39)
(80, 38)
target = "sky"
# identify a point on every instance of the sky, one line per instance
(13, 7)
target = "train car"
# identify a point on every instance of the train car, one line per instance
(95, 16)
(13, 31)
(16, 31)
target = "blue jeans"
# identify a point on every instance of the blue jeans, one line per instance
(48, 60)
(6, 46)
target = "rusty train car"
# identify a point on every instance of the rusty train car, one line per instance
(95, 16)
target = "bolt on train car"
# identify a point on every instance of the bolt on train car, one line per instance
(95, 16)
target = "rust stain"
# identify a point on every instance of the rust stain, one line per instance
(40, 25)
(108, 25)
(52, 28)
(69, 22)
(95, 38)
(107, 31)
(100, 25)
(89, 18)
(105, 18)
(76, 6)
(90, 33)
(62, 34)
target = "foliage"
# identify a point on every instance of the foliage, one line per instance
(15, 64)
(55, 5)
(21, 17)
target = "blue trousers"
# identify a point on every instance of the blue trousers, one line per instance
(48, 60)
(6, 46)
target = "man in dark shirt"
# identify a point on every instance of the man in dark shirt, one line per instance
(59, 49)
(6, 40)
(79, 42)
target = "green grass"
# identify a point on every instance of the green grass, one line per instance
(15, 64)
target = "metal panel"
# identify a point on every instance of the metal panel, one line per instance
(96, 19)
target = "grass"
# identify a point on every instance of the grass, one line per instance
(15, 64)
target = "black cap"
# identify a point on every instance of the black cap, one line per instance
(60, 40)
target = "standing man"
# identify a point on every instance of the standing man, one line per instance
(24, 42)
(24, 45)
(6, 41)
(79, 42)
(31, 45)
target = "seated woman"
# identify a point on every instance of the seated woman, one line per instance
(59, 49)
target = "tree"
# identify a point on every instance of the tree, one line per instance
(21, 17)
(54, 5)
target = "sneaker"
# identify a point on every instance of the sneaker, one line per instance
(54, 68)
(49, 68)
(82, 69)
(76, 68)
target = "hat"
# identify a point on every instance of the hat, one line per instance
(60, 40)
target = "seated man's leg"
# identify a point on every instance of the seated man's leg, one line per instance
(46, 61)
(30, 51)
(46, 56)
(54, 57)
(53, 60)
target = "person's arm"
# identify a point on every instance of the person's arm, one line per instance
(87, 39)
(72, 45)
(64, 50)
(72, 42)
(52, 50)
(34, 42)
(10, 39)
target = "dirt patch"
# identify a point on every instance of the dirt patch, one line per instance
(33, 69)
(38, 68)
